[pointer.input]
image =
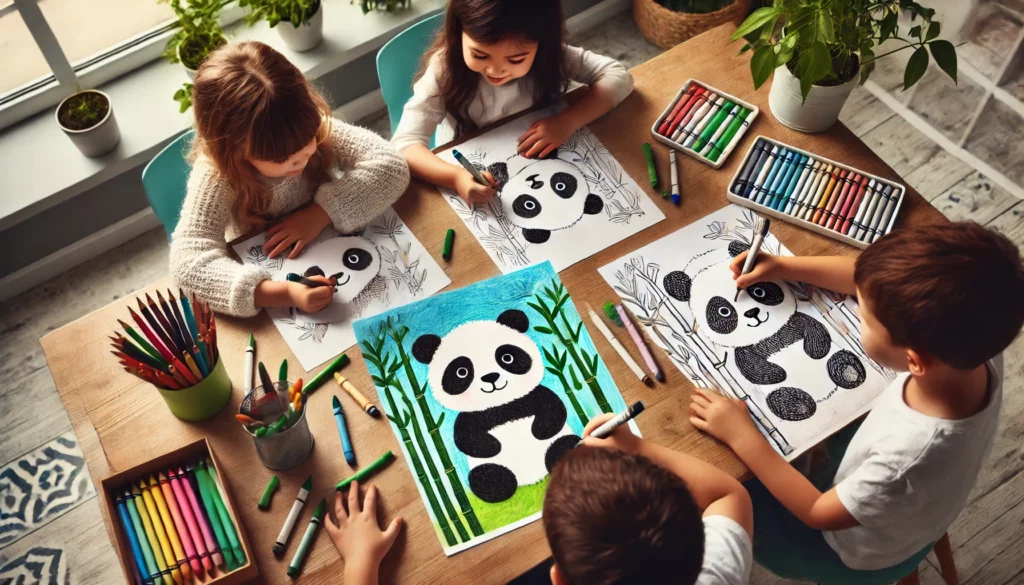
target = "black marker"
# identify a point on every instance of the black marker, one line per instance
(603, 431)
(759, 235)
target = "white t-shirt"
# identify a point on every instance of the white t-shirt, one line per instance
(906, 476)
(728, 553)
(424, 112)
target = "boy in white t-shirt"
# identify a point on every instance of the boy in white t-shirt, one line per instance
(939, 303)
(623, 510)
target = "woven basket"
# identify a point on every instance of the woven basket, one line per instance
(667, 28)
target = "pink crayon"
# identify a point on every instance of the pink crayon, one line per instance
(677, 116)
(204, 523)
(181, 525)
(186, 506)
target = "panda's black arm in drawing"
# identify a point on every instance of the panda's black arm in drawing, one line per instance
(473, 429)
(549, 412)
(473, 434)
(752, 360)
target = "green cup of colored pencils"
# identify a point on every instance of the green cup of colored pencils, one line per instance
(274, 414)
(173, 346)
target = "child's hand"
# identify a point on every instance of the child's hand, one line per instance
(299, 227)
(471, 191)
(726, 419)
(312, 299)
(766, 268)
(621, 438)
(357, 536)
(545, 136)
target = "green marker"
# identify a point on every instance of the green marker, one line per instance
(203, 476)
(652, 171)
(730, 132)
(323, 375)
(295, 566)
(366, 471)
(709, 131)
(268, 492)
(446, 252)
(282, 372)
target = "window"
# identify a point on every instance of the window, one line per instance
(86, 27)
(23, 61)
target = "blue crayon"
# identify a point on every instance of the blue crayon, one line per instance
(133, 540)
(754, 185)
(761, 189)
(798, 169)
(787, 177)
(773, 182)
(346, 442)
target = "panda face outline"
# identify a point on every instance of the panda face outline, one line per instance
(353, 260)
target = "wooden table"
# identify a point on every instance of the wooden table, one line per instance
(121, 422)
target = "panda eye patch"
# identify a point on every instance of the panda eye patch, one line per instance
(457, 376)
(766, 293)
(513, 359)
(526, 206)
(721, 315)
(563, 184)
(356, 259)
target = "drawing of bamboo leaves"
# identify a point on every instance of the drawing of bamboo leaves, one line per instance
(385, 380)
(397, 334)
(556, 365)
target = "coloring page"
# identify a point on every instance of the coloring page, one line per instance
(564, 208)
(372, 277)
(486, 387)
(791, 351)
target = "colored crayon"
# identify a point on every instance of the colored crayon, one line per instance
(161, 533)
(449, 239)
(712, 127)
(727, 120)
(890, 208)
(754, 187)
(850, 206)
(673, 165)
(852, 179)
(133, 538)
(250, 356)
(839, 195)
(686, 99)
(693, 118)
(293, 515)
(867, 209)
(799, 167)
(705, 121)
(282, 372)
(782, 181)
(205, 475)
(268, 493)
(801, 184)
(652, 171)
(817, 173)
(834, 185)
(192, 524)
(174, 539)
(356, 395)
(268, 384)
(140, 535)
(687, 114)
(366, 471)
(751, 167)
(181, 527)
(721, 145)
(325, 374)
(827, 183)
(295, 566)
(216, 523)
(346, 442)
(199, 514)
(775, 177)
(154, 542)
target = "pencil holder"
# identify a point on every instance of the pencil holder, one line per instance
(284, 449)
(202, 401)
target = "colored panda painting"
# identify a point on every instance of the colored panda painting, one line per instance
(791, 351)
(574, 203)
(486, 387)
(372, 277)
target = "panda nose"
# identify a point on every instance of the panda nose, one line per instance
(490, 378)
(752, 313)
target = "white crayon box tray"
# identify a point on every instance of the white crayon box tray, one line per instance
(684, 94)
(869, 230)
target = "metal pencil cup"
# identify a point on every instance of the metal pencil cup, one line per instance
(287, 448)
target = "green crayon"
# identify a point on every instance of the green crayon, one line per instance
(323, 375)
(723, 142)
(449, 238)
(201, 488)
(295, 566)
(366, 471)
(652, 171)
(268, 492)
(710, 129)
(282, 372)
(277, 426)
(203, 475)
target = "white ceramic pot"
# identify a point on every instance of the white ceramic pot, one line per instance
(305, 37)
(99, 139)
(818, 113)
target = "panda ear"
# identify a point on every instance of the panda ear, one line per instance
(515, 319)
(535, 236)
(677, 285)
(424, 348)
(736, 248)
(594, 205)
(499, 171)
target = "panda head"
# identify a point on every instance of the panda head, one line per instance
(353, 260)
(481, 364)
(706, 284)
(544, 195)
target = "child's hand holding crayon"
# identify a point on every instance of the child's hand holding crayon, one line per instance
(621, 438)
(312, 299)
(767, 268)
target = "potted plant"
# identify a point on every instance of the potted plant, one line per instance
(823, 48)
(384, 5)
(666, 23)
(303, 27)
(88, 119)
(198, 34)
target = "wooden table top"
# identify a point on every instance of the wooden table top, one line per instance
(121, 422)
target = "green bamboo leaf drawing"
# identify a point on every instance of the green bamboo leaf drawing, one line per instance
(575, 381)
(543, 310)
(543, 330)
(440, 421)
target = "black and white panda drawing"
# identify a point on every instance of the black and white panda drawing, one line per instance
(511, 428)
(762, 326)
(543, 195)
(356, 263)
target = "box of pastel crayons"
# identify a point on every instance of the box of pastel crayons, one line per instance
(817, 193)
(175, 522)
(704, 122)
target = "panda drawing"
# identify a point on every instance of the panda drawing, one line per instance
(355, 262)
(544, 195)
(762, 327)
(510, 427)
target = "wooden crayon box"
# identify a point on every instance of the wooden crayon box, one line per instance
(110, 486)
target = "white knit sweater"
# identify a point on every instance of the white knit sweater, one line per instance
(373, 176)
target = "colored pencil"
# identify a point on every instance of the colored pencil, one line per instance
(166, 318)
(142, 342)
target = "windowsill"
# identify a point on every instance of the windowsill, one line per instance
(40, 167)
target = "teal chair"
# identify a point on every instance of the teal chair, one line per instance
(399, 60)
(164, 180)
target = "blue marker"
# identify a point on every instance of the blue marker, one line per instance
(674, 166)
(346, 443)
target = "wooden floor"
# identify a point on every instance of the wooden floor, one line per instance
(50, 526)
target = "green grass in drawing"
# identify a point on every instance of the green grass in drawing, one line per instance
(527, 501)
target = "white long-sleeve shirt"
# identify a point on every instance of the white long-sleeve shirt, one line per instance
(424, 112)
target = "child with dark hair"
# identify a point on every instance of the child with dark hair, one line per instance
(623, 510)
(938, 303)
(492, 59)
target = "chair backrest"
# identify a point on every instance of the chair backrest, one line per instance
(164, 180)
(397, 63)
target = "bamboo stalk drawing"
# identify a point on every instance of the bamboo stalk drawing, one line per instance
(385, 379)
(585, 363)
(557, 365)
(397, 334)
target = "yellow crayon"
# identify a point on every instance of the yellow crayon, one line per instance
(154, 544)
(172, 532)
(161, 533)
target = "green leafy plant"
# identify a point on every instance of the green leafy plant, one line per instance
(198, 31)
(695, 6)
(385, 5)
(825, 42)
(82, 111)
(297, 12)
(184, 97)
